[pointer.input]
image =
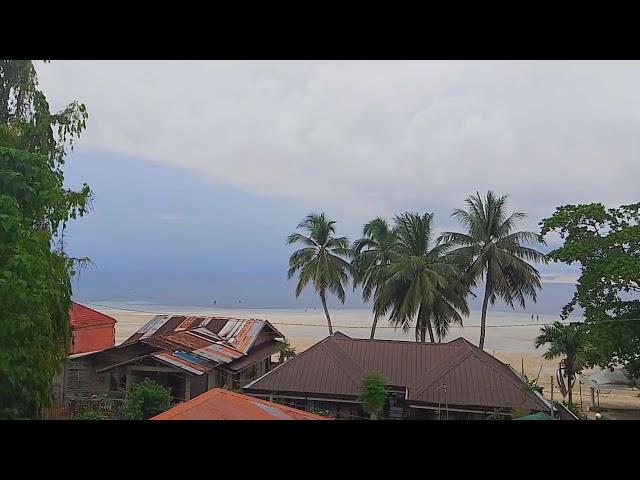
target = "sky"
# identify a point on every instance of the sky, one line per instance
(200, 169)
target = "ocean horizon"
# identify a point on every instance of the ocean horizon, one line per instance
(510, 331)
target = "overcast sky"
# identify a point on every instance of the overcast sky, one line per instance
(356, 139)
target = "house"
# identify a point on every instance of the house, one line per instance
(454, 380)
(90, 329)
(219, 404)
(187, 354)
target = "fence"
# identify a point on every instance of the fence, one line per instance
(112, 408)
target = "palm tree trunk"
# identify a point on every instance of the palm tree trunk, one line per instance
(423, 324)
(373, 327)
(428, 322)
(483, 318)
(326, 311)
(570, 384)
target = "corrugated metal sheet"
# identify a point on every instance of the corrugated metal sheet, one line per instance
(172, 359)
(335, 366)
(81, 316)
(197, 344)
(219, 404)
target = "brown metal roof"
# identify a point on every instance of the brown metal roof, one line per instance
(334, 368)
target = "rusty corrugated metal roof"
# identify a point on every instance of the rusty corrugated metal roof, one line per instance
(219, 404)
(81, 316)
(335, 366)
(196, 343)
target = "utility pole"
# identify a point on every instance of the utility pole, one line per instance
(580, 389)
(551, 396)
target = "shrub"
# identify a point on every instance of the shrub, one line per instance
(91, 415)
(145, 400)
(373, 394)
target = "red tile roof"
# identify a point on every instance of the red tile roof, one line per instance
(219, 404)
(82, 317)
(335, 366)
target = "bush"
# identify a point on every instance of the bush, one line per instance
(145, 400)
(91, 415)
(373, 393)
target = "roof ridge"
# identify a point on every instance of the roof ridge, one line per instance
(438, 371)
(493, 363)
(344, 360)
(111, 319)
(250, 384)
(412, 342)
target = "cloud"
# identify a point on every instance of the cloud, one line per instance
(367, 138)
(560, 277)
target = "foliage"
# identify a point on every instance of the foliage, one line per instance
(286, 351)
(420, 280)
(575, 409)
(372, 254)
(373, 393)
(35, 272)
(91, 415)
(532, 385)
(606, 244)
(495, 253)
(322, 261)
(567, 341)
(499, 414)
(145, 400)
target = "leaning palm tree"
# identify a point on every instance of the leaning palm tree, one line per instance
(422, 281)
(286, 351)
(322, 261)
(371, 255)
(568, 341)
(495, 253)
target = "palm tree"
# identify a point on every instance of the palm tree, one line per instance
(422, 280)
(495, 252)
(322, 260)
(286, 351)
(568, 341)
(372, 254)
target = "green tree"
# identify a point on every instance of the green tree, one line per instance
(372, 254)
(421, 281)
(569, 342)
(496, 253)
(606, 245)
(35, 272)
(373, 394)
(286, 351)
(91, 415)
(145, 400)
(322, 261)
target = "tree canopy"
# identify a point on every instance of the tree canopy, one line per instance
(35, 272)
(606, 244)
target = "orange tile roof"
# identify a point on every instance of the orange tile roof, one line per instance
(82, 316)
(219, 404)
